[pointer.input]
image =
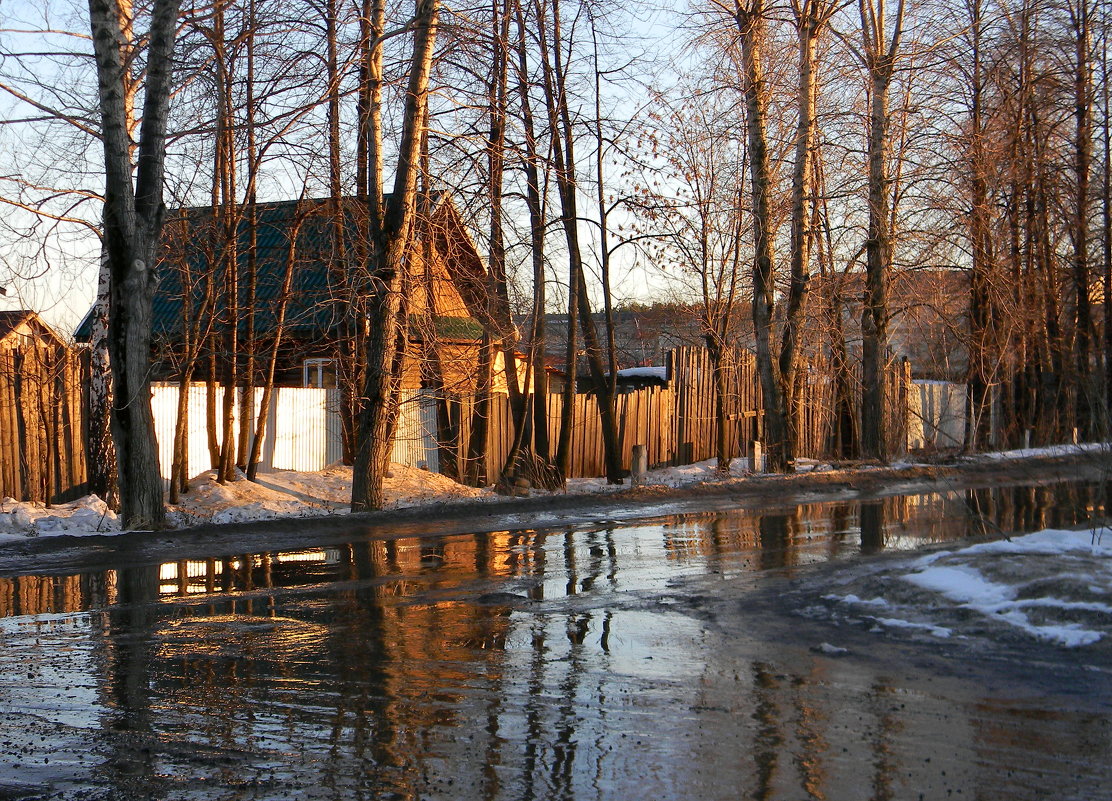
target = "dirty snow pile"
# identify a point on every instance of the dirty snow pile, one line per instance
(286, 493)
(87, 515)
(1053, 586)
(273, 495)
(292, 494)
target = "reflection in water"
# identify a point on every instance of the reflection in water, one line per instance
(515, 664)
(872, 527)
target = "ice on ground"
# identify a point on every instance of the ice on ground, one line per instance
(897, 623)
(1051, 585)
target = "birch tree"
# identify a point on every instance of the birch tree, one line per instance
(750, 20)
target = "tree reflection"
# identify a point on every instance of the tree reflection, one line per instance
(128, 670)
(872, 527)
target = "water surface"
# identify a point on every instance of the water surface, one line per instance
(616, 660)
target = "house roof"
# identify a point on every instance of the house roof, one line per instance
(304, 229)
(11, 320)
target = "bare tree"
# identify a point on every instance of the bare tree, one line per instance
(132, 225)
(878, 53)
(553, 61)
(391, 220)
(811, 18)
(750, 20)
(700, 214)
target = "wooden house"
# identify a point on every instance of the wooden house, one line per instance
(22, 328)
(297, 275)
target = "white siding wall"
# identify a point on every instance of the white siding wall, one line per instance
(415, 438)
(303, 429)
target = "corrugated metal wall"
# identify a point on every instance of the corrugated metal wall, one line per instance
(302, 433)
(415, 438)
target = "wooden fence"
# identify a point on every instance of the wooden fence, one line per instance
(678, 424)
(644, 417)
(42, 425)
(696, 421)
(696, 424)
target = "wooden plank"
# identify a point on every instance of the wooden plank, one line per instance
(50, 399)
(9, 432)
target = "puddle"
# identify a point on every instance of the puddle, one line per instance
(521, 665)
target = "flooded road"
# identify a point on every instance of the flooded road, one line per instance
(649, 659)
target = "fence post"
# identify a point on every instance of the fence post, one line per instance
(756, 457)
(639, 465)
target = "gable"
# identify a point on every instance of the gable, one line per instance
(22, 327)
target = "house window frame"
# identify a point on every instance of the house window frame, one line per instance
(317, 365)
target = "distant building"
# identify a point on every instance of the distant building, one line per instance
(928, 317)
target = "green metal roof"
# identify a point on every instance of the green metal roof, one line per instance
(316, 306)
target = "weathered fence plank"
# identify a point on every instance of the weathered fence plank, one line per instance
(42, 438)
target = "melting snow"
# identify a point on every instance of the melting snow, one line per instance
(1049, 585)
(87, 515)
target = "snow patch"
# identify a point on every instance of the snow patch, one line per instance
(86, 515)
(898, 623)
(964, 585)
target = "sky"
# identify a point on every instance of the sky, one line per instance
(55, 273)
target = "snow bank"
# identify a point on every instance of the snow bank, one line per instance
(288, 493)
(87, 515)
(295, 494)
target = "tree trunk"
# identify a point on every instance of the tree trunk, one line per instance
(1086, 386)
(809, 21)
(880, 58)
(480, 418)
(563, 148)
(981, 337)
(132, 227)
(385, 342)
(102, 453)
(181, 438)
(1106, 244)
(541, 445)
(750, 24)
